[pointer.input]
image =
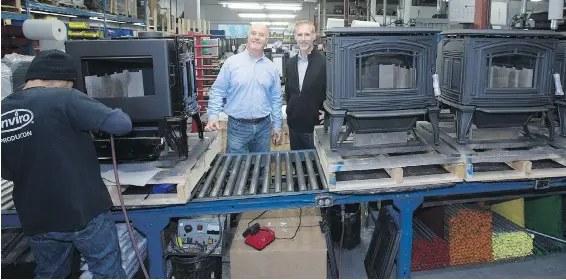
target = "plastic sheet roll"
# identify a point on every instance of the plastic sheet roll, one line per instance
(50, 33)
(6, 80)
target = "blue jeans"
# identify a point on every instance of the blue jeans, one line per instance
(245, 137)
(97, 242)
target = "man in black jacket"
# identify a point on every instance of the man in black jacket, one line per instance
(305, 88)
(47, 152)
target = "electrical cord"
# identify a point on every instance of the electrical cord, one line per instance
(119, 189)
(296, 231)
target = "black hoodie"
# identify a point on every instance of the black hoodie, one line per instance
(303, 105)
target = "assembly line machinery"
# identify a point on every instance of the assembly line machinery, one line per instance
(271, 192)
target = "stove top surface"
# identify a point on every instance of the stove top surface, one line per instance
(507, 33)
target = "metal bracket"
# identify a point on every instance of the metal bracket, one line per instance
(324, 201)
(542, 184)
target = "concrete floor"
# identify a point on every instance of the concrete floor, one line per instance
(543, 267)
(540, 267)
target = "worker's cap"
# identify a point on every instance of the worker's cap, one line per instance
(52, 65)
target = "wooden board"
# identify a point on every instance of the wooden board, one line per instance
(440, 166)
(498, 159)
(185, 174)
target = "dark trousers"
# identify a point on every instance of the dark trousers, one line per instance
(301, 141)
(97, 242)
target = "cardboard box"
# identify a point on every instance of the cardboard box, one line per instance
(304, 256)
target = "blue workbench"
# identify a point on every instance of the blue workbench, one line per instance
(151, 222)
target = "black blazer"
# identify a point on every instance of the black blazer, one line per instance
(303, 105)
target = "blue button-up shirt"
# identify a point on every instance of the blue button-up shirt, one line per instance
(251, 87)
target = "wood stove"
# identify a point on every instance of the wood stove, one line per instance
(380, 80)
(497, 78)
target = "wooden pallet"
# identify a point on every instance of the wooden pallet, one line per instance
(497, 156)
(389, 171)
(185, 175)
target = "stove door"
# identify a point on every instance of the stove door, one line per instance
(387, 75)
(512, 73)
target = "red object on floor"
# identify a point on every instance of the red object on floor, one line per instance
(261, 239)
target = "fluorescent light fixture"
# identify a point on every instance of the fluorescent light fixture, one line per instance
(139, 23)
(250, 6)
(101, 19)
(281, 16)
(266, 23)
(48, 13)
(252, 15)
(284, 8)
(280, 23)
(277, 28)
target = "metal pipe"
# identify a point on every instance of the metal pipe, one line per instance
(300, 173)
(310, 172)
(384, 12)
(278, 172)
(210, 177)
(220, 180)
(266, 175)
(233, 176)
(523, 7)
(545, 235)
(289, 174)
(346, 13)
(255, 175)
(244, 178)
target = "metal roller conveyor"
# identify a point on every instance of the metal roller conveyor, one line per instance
(235, 176)
(266, 174)
(300, 173)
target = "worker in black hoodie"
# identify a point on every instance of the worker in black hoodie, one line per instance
(305, 88)
(48, 153)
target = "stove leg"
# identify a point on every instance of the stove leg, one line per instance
(463, 125)
(433, 116)
(335, 127)
(550, 124)
(326, 122)
(562, 118)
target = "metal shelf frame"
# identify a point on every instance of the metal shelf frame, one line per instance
(104, 16)
(151, 222)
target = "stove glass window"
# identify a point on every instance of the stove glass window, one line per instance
(118, 77)
(511, 71)
(386, 70)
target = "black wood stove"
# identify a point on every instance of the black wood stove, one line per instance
(380, 80)
(152, 80)
(497, 78)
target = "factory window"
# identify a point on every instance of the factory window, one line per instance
(118, 77)
(511, 70)
(386, 70)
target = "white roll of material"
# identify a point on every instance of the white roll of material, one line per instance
(50, 33)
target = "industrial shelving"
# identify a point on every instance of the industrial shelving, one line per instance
(77, 14)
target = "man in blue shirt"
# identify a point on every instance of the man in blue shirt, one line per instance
(250, 84)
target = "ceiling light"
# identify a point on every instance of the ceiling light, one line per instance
(279, 23)
(252, 15)
(281, 16)
(250, 6)
(101, 19)
(284, 8)
(278, 28)
(48, 13)
(266, 23)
